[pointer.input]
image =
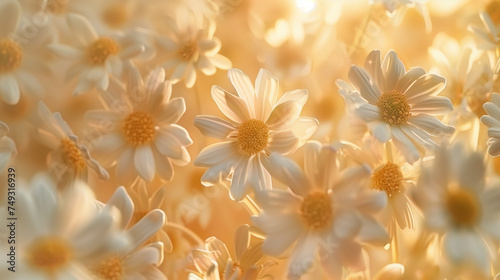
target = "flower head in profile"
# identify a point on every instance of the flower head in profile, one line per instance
(461, 205)
(398, 104)
(7, 147)
(61, 233)
(95, 57)
(15, 63)
(215, 261)
(138, 130)
(191, 49)
(69, 159)
(259, 125)
(326, 215)
(492, 121)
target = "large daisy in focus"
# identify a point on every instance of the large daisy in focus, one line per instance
(137, 131)
(258, 126)
(325, 217)
(95, 57)
(461, 206)
(398, 104)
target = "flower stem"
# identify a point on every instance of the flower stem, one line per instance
(394, 243)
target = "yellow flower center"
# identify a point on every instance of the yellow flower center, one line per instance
(316, 210)
(101, 49)
(116, 15)
(10, 56)
(188, 51)
(253, 136)
(393, 107)
(72, 155)
(463, 207)
(493, 10)
(139, 128)
(49, 253)
(110, 268)
(389, 179)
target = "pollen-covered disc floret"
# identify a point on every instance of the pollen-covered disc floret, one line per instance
(72, 155)
(389, 179)
(317, 210)
(110, 268)
(139, 128)
(463, 207)
(50, 253)
(10, 56)
(253, 136)
(394, 108)
(101, 49)
(188, 51)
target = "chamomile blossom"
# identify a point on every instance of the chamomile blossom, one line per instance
(488, 33)
(139, 131)
(69, 159)
(95, 57)
(15, 64)
(259, 125)
(461, 205)
(59, 234)
(399, 105)
(325, 216)
(191, 49)
(492, 121)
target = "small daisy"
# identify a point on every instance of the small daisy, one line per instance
(7, 147)
(69, 160)
(58, 234)
(191, 49)
(461, 206)
(258, 126)
(325, 216)
(488, 34)
(215, 262)
(138, 127)
(137, 261)
(492, 121)
(15, 64)
(95, 57)
(398, 9)
(398, 104)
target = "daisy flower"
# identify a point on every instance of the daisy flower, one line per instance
(324, 217)
(58, 234)
(488, 34)
(461, 206)
(135, 261)
(492, 121)
(15, 64)
(258, 126)
(138, 130)
(215, 262)
(398, 104)
(95, 57)
(69, 160)
(7, 147)
(191, 49)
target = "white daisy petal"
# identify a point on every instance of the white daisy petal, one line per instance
(217, 172)
(409, 78)
(282, 231)
(146, 227)
(368, 112)
(463, 246)
(82, 29)
(244, 88)
(374, 67)
(124, 168)
(214, 127)
(142, 258)
(164, 168)
(122, 201)
(288, 172)
(304, 128)
(276, 201)
(283, 142)
(438, 105)
(230, 105)
(167, 144)
(346, 224)
(217, 153)
(260, 179)
(492, 110)
(9, 88)
(489, 121)
(494, 149)
(361, 80)
(393, 69)
(240, 182)
(303, 256)
(283, 115)
(407, 147)
(297, 95)
(220, 61)
(472, 173)
(65, 51)
(170, 112)
(266, 87)
(380, 130)
(372, 232)
(431, 124)
(144, 162)
(427, 85)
